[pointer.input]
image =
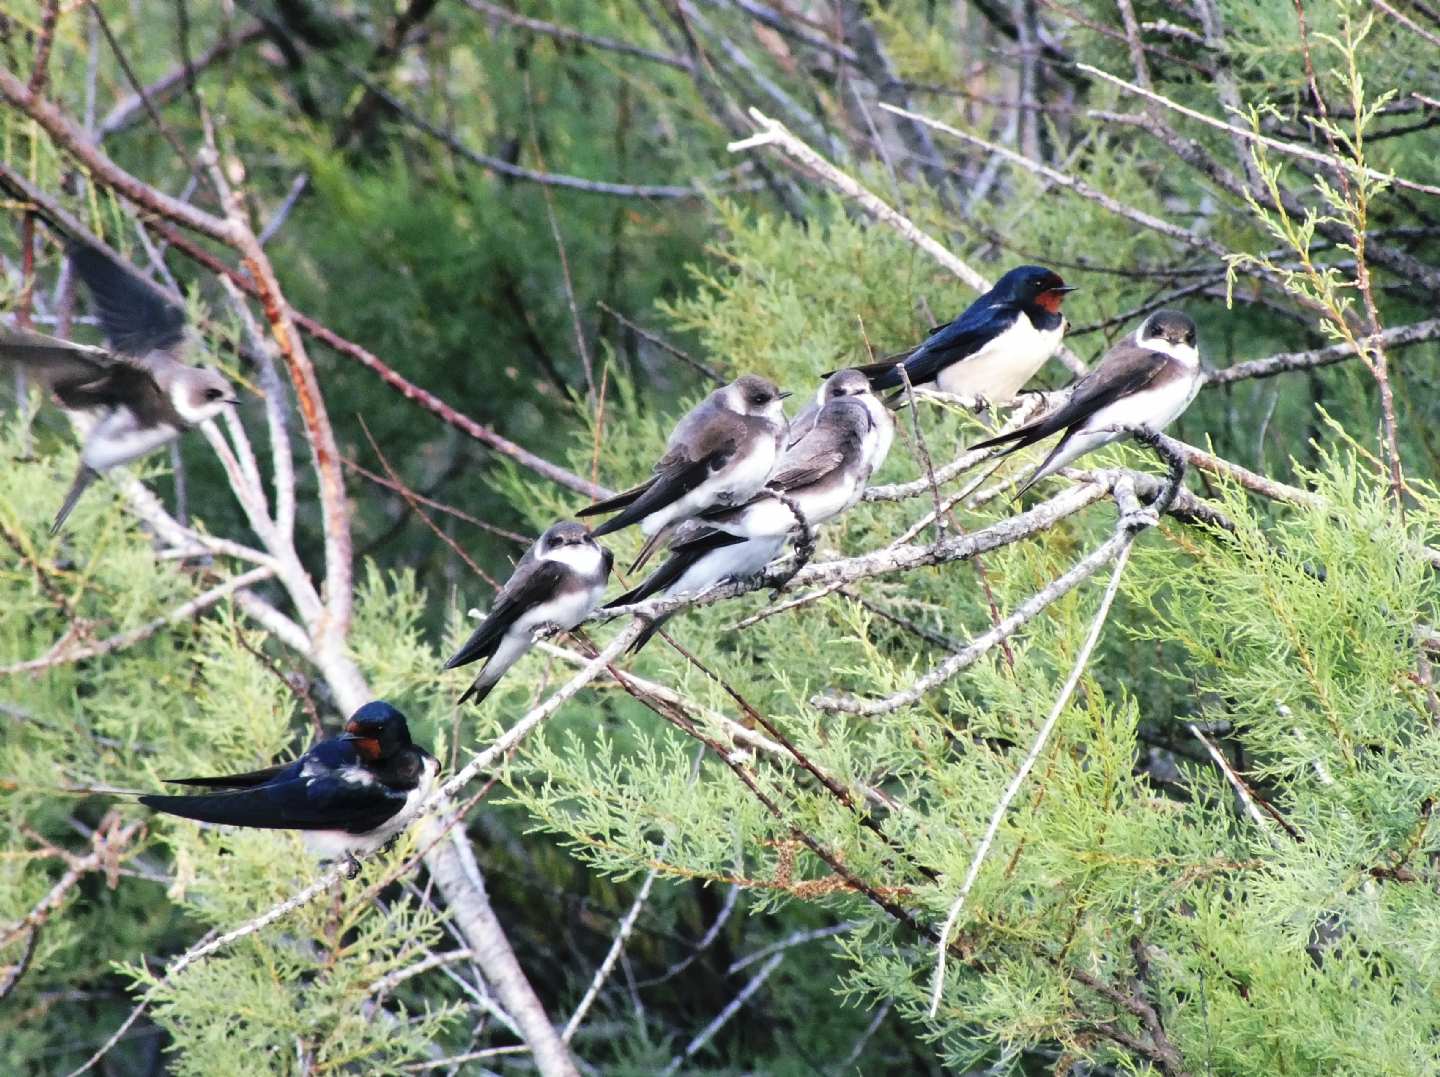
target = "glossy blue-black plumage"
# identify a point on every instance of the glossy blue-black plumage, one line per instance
(1014, 295)
(353, 783)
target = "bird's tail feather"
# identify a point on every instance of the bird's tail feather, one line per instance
(617, 501)
(649, 632)
(653, 543)
(1051, 464)
(83, 478)
(477, 692)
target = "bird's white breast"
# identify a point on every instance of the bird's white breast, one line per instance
(742, 477)
(119, 438)
(585, 559)
(1001, 368)
(742, 559)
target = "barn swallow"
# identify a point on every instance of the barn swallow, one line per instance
(349, 795)
(720, 453)
(821, 475)
(555, 586)
(699, 558)
(994, 347)
(138, 392)
(1146, 379)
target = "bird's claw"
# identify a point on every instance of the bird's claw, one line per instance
(352, 867)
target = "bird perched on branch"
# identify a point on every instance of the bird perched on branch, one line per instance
(824, 472)
(849, 383)
(993, 348)
(1146, 379)
(350, 794)
(138, 393)
(843, 437)
(699, 558)
(557, 583)
(720, 453)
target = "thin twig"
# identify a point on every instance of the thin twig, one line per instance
(617, 947)
(1013, 789)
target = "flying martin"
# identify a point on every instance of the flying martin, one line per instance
(821, 475)
(720, 453)
(699, 558)
(1147, 379)
(137, 392)
(555, 586)
(349, 795)
(992, 349)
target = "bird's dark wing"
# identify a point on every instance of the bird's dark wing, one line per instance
(239, 781)
(120, 384)
(881, 367)
(682, 556)
(688, 464)
(1127, 368)
(823, 449)
(51, 360)
(617, 501)
(950, 343)
(321, 803)
(136, 319)
(533, 581)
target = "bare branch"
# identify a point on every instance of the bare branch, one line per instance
(64, 653)
(579, 37)
(1335, 163)
(1042, 738)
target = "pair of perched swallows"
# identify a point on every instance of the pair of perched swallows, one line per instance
(555, 585)
(137, 392)
(822, 472)
(842, 439)
(349, 795)
(993, 348)
(1147, 379)
(719, 454)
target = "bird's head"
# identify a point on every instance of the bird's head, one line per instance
(199, 393)
(844, 383)
(1172, 332)
(378, 731)
(1037, 286)
(753, 395)
(571, 542)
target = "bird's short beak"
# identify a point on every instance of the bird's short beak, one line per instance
(1066, 288)
(351, 736)
(233, 400)
(785, 395)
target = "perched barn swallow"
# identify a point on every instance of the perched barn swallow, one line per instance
(139, 394)
(555, 586)
(992, 349)
(1147, 379)
(720, 453)
(699, 558)
(349, 795)
(821, 475)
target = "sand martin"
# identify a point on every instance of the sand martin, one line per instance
(720, 453)
(822, 474)
(1146, 379)
(349, 795)
(138, 393)
(557, 583)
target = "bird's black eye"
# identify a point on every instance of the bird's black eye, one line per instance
(214, 394)
(758, 398)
